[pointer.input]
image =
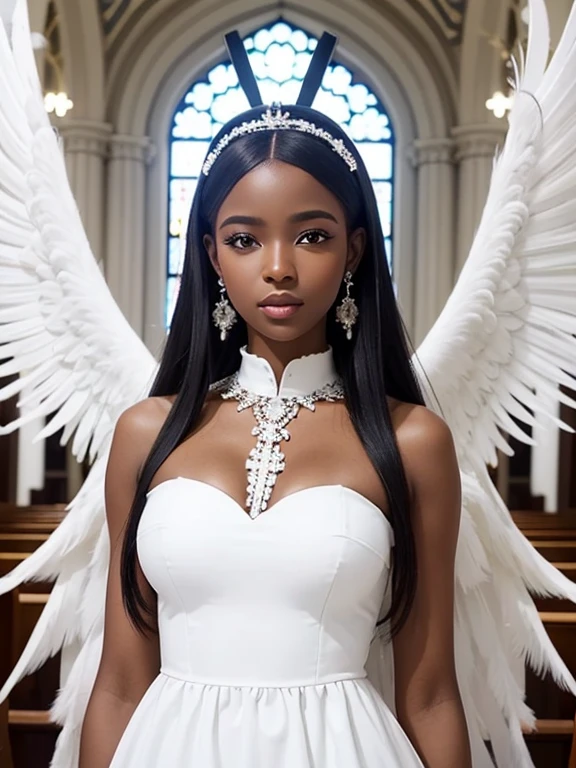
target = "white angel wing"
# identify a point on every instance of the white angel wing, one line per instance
(77, 359)
(507, 330)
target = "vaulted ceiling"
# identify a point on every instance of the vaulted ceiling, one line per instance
(446, 16)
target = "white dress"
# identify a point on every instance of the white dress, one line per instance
(265, 626)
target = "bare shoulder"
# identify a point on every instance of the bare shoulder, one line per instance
(424, 440)
(145, 415)
(416, 424)
(139, 425)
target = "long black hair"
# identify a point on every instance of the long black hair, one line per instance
(373, 365)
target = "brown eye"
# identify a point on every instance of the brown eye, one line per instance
(314, 237)
(240, 241)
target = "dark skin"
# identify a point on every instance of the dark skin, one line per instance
(272, 253)
(292, 236)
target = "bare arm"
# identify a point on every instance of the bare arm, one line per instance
(130, 661)
(428, 703)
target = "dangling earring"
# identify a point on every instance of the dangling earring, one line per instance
(223, 315)
(347, 311)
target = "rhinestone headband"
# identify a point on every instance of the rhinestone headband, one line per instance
(272, 120)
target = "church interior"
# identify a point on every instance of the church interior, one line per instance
(135, 90)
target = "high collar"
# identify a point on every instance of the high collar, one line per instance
(302, 376)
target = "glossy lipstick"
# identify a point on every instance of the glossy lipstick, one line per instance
(280, 305)
(280, 311)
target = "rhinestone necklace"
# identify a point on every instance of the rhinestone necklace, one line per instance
(265, 461)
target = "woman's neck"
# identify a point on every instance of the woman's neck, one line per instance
(280, 353)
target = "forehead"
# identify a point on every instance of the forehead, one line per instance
(278, 188)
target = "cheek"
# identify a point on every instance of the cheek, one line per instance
(321, 276)
(242, 279)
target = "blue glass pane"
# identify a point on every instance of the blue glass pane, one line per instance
(299, 40)
(301, 64)
(188, 157)
(383, 192)
(378, 159)
(338, 79)
(191, 124)
(280, 56)
(218, 78)
(175, 252)
(280, 62)
(200, 96)
(258, 64)
(172, 286)
(262, 39)
(370, 125)
(281, 32)
(335, 107)
(229, 104)
(388, 246)
(232, 76)
(181, 194)
(357, 96)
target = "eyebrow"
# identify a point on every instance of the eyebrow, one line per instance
(296, 217)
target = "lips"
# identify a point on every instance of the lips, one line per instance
(279, 306)
(280, 300)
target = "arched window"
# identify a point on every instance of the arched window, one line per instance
(279, 55)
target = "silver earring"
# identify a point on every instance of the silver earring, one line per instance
(347, 311)
(223, 315)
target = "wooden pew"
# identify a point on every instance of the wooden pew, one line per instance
(5, 747)
(572, 761)
(27, 736)
(554, 536)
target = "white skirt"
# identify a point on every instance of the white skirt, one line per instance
(342, 724)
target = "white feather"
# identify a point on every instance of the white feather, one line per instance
(76, 357)
(504, 339)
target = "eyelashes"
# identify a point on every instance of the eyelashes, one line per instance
(235, 240)
(242, 241)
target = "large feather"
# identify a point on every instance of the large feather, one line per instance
(506, 336)
(76, 357)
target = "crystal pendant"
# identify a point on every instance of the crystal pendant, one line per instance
(347, 314)
(224, 317)
(265, 461)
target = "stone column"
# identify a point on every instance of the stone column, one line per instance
(37, 13)
(475, 150)
(86, 149)
(544, 456)
(129, 156)
(31, 464)
(434, 270)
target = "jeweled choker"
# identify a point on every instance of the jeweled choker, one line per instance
(272, 413)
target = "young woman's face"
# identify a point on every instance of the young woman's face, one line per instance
(280, 236)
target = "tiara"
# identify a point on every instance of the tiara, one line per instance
(273, 120)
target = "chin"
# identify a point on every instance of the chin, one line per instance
(282, 334)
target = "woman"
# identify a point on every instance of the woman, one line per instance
(267, 596)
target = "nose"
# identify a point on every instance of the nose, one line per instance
(278, 264)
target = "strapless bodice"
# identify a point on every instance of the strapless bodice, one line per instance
(267, 625)
(288, 598)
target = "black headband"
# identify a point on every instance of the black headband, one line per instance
(312, 81)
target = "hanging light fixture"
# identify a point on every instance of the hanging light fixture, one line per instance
(499, 104)
(56, 99)
(58, 103)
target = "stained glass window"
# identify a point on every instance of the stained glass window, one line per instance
(279, 55)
